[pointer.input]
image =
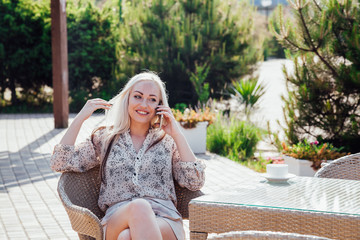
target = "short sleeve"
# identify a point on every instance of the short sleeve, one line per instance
(188, 174)
(78, 158)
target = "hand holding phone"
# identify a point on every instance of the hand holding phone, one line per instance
(159, 121)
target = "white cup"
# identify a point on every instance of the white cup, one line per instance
(277, 170)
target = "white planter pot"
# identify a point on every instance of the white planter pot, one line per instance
(299, 167)
(196, 137)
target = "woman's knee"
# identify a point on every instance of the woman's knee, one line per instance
(140, 208)
(124, 235)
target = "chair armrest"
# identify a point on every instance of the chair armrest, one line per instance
(184, 196)
(324, 164)
(82, 219)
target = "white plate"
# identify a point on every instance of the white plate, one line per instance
(274, 179)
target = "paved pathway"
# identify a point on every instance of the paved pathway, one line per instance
(271, 105)
(29, 204)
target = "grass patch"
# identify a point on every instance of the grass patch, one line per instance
(257, 164)
(236, 140)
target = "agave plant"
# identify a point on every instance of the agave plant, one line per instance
(248, 92)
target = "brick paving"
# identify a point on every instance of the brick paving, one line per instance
(29, 204)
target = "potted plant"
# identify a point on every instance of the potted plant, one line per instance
(305, 158)
(193, 124)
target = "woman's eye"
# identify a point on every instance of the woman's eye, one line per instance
(153, 99)
(137, 96)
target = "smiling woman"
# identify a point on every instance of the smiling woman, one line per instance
(137, 162)
(143, 102)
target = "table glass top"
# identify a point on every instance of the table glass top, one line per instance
(299, 193)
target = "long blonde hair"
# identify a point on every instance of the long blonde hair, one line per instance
(117, 118)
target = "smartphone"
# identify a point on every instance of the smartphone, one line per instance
(159, 122)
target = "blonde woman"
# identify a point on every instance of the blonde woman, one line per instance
(139, 157)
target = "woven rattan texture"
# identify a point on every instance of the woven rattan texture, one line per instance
(299, 193)
(198, 236)
(264, 235)
(84, 237)
(79, 193)
(184, 196)
(347, 167)
(220, 218)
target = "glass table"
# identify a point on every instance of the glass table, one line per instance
(306, 205)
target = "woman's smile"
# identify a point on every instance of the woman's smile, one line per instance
(142, 112)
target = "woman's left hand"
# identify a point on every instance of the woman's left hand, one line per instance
(169, 125)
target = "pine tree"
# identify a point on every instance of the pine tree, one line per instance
(92, 41)
(173, 37)
(323, 40)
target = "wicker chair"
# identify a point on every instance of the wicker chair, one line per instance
(79, 194)
(264, 235)
(347, 167)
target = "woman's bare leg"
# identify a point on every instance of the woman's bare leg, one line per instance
(124, 235)
(138, 217)
(166, 231)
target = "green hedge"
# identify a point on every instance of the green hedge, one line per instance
(25, 48)
(92, 43)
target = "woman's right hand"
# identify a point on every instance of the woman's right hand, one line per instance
(91, 106)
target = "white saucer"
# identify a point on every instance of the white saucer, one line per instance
(274, 179)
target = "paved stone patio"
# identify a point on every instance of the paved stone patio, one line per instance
(29, 204)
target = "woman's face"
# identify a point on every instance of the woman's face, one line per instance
(143, 99)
